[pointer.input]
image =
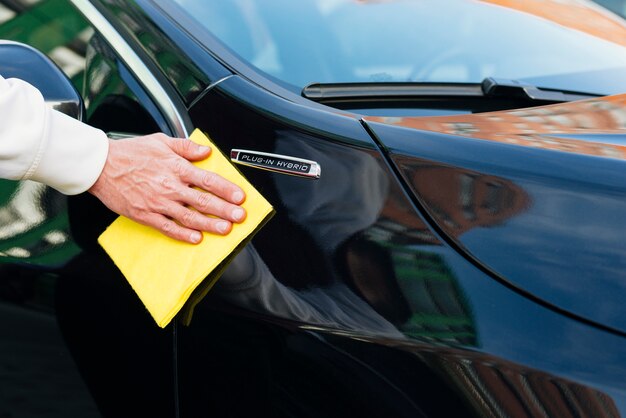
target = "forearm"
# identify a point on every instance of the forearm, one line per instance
(44, 145)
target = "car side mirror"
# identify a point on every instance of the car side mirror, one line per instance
(21, 61)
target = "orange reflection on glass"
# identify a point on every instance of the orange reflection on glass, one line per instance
(583, 16)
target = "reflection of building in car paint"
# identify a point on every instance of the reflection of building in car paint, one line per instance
(529, 127)
(483, 201)
(438, 309)
(515, 391)
(407, 289)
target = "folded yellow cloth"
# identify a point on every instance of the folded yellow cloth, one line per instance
(164, 272)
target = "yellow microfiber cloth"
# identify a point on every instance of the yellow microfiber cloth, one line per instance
(164, 272)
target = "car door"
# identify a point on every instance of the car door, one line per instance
(68, 338)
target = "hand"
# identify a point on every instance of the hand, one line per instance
(149, 179)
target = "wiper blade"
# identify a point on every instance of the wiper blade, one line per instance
(489, 87)
(338, 91)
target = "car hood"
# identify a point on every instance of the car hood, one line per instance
(537, 196)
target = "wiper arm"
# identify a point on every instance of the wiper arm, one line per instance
(499, 87)
(490, 87)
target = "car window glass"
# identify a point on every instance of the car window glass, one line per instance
(434, 41)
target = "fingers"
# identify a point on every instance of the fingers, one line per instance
(164, 190)
(218, 197)
(188, 149)
(212, 182)
(184, 224)
(197, 221)
(208, 203)
(172, 229)
(200, 178)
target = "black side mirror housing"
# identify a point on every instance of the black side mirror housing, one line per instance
(21, 61)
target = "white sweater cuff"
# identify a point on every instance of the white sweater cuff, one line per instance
(73, 156)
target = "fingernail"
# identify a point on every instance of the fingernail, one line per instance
(203, 149)
(238, 214)
(223, 226)
(196, 237)
(237, 197)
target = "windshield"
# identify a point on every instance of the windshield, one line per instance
(330, 41)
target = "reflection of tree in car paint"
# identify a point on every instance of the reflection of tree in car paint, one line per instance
(33, 225)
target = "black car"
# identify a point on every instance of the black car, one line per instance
(461, 252)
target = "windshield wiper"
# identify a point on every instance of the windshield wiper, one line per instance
(339, 91)
(489, 87)
(499, 87)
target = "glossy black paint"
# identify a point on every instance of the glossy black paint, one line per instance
(543, 211)
(367, 302)
(430, 295)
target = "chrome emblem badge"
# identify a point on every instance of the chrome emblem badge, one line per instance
(283, 164)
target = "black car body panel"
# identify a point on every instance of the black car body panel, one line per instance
(434, 269)
(430, 292)
(541, 189)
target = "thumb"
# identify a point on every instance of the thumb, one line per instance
(189, 149)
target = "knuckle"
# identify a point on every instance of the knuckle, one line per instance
(165, 182)
(189, 217)
(208, 179)
(169, 188)
(141, 218)
(137, 210)
(161, 136)
(204, 200)
(181, 168)
(158, 206)
(181, 146)
(186, 145)
(167, 226)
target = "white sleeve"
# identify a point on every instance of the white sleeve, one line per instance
(44, 145)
